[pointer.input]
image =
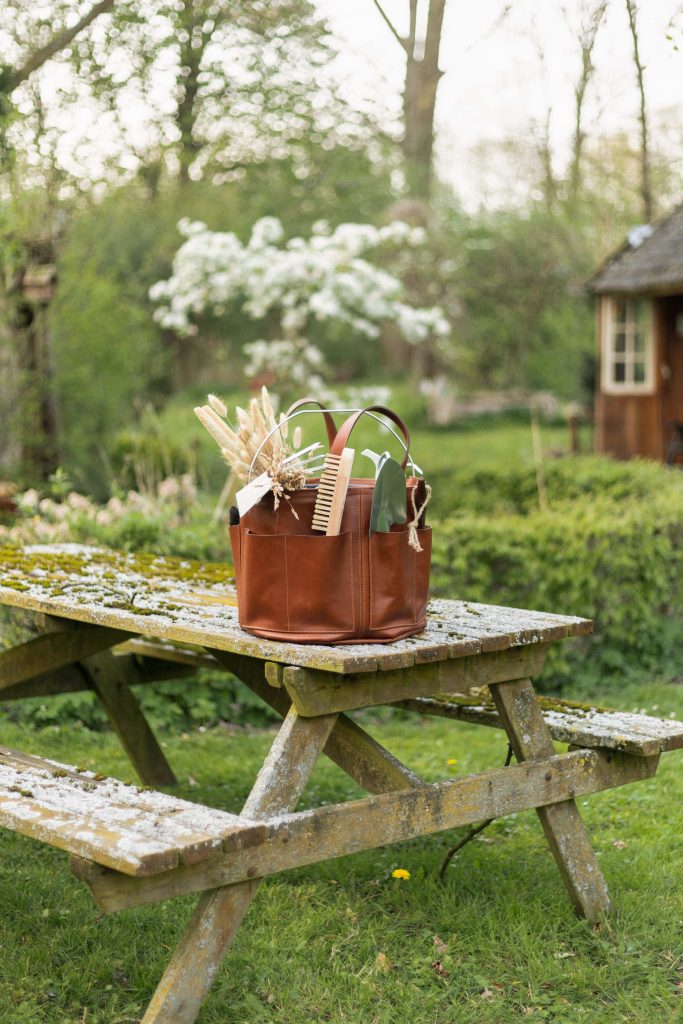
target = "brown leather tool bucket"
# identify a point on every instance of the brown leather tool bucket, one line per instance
(355, 587)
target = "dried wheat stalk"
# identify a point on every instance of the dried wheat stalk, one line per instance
(239, 447)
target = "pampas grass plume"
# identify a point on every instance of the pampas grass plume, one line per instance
(267, 407)
(218, 406)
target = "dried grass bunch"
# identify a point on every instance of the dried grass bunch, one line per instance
(259, 438)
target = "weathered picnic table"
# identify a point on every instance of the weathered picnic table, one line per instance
(109, 621)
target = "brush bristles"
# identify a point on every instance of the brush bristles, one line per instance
(323, 502)
(327, 487)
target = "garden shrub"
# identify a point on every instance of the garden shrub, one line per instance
(140, 458)
(617, 562)
(513, 488)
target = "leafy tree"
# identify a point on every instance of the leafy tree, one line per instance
(33, 35)
(291, 286)
(182, 88)
(217, 87)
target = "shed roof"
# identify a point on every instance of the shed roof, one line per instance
(655, 266)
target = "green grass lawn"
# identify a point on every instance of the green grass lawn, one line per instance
(346, 942)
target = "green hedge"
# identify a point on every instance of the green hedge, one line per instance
(617, 562)
(513, 489)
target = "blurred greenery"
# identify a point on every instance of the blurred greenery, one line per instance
(511, 281)
(279, 139)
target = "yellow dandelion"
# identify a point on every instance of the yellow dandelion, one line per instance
(452, 760)
(400, 873)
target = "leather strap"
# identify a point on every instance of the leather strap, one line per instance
(330, 425)
(340, 441)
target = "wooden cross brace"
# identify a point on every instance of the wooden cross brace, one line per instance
(403, 807)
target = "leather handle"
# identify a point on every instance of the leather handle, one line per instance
(330, 425)
(340, 441)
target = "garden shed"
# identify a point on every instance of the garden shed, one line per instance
(639, 389)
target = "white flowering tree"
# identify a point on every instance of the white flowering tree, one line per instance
(296, 283)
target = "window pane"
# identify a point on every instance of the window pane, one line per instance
(640, 313)
(619, 311)
(639, 373)
(638, 342)
(619, 373)
(619, 341)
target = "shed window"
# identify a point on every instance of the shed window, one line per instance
(627, 346)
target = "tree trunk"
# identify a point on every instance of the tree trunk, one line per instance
(10, 453)
(37, 406)
(645, 186)
(545, 154)
(198, 26)
(185, 114)
(419, 99)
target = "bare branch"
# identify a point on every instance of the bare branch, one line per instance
(591, 19)
(493, 27)
(58, 42)
(390, 26)
(645, 187)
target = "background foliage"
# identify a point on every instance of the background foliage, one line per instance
(608, 547)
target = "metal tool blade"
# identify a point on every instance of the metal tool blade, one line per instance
(389, 499)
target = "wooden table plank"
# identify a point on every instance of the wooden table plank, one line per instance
(130, 830)
(577, 724)
(315, 693)
(181, 600)
(52, 651)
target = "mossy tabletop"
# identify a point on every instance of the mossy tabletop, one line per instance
(194, 602)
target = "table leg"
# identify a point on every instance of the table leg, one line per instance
(365, 760)
(219, 912)
(107, 675)
(566, 834)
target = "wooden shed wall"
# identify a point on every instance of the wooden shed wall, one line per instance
(629, 425)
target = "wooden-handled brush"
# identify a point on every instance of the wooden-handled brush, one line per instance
(334, 483)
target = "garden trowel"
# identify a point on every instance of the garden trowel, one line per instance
(389, 499)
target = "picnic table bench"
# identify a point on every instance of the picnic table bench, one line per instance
(109, 621)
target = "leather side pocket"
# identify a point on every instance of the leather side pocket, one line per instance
(392, 580)
(321, 595)
(236, 545)
(262, 594)
(295, 583)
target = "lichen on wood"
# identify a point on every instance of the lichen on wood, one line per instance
(128, 828)
(184, 600)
